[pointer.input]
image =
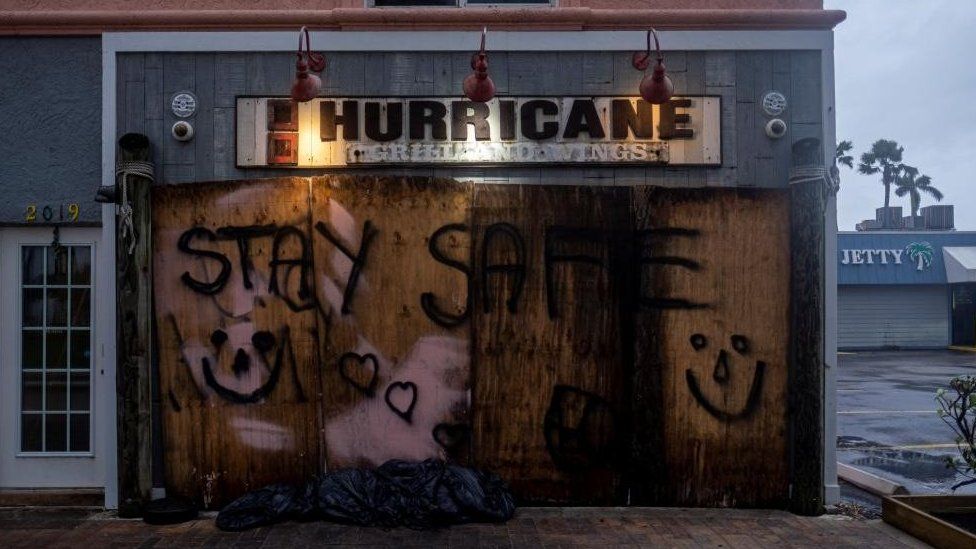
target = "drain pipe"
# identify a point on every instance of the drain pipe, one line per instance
(158, 490)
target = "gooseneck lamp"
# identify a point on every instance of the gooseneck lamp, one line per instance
(478, 86)
(656, 87)
(307, 85)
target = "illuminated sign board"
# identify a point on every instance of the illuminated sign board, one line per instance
(356, 131)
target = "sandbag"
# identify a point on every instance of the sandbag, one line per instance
(421, 495)
(271, 504)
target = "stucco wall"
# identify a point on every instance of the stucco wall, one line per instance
(83, 5)
(50, 108)
(148, 81)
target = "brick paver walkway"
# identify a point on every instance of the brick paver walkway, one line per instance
(605, 528)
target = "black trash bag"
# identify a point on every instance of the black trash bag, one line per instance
(421, 495)
(427, 494)
(357, 496)
(271, 504)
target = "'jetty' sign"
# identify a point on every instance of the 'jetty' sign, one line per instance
(336, 132)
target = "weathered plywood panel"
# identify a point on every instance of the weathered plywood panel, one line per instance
(590, 344)
(711, 347)
(238, 370)
(395, 364)
(548, 354)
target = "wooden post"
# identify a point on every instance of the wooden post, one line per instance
(133, 333)
(807, 232)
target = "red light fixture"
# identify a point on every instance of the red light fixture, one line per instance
(656, 87)
(307, 85)
(478, 86)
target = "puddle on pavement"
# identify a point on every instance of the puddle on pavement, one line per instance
(910, 464)
(846, 442)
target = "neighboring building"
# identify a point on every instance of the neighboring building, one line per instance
(605, 301)
(906, 289)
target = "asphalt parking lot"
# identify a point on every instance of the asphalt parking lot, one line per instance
(886, 420)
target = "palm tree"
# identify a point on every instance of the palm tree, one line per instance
(841, 156)
(912, 184)
(884, 157)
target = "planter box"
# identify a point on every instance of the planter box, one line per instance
(931, 518)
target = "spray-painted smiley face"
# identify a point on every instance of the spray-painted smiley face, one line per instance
(262, 343)
(720, 374)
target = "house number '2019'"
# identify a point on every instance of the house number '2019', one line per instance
(47, 213)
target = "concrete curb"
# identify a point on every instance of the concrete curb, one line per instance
(868, 481)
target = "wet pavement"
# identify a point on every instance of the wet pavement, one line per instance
(553, 527)
(886, 420)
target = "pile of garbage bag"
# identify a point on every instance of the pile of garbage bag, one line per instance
(421, 495)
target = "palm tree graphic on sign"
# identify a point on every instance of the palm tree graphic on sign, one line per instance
(920, 253)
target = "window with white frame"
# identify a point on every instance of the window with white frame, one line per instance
(56, 342)
(454, 3)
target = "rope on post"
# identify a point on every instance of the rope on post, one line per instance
(124, 169)
(812, 174)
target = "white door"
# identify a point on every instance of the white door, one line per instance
(48, 372)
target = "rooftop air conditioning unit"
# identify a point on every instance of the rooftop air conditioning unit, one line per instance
(938, 217)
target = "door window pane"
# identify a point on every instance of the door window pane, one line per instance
(57, 307)
(31, 430)
(80, 429)
(57, 265)
(80, 265)
(30, 397)
(55, 355)
(56, 391)
(80, 393)
(81, 307)
(55, 432)
(32, 349)
(80, 349)
(57, 349)
(33, 305)
(33, 265)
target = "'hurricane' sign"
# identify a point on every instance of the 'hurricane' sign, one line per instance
(352, 131)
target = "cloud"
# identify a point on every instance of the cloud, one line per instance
(904, 72)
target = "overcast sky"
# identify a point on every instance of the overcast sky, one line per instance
(906, 70)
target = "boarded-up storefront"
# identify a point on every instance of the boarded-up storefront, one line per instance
(592, 345)
(494, 235)
(604, 300)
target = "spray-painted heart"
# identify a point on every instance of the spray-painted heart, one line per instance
(449, 435)
(400, 388)
(361, 371)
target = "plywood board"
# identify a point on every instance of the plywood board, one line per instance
(396, 382)
(712, 341)
(548, 356)
(238, 371)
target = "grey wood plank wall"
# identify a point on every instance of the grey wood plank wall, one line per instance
(147, 82)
